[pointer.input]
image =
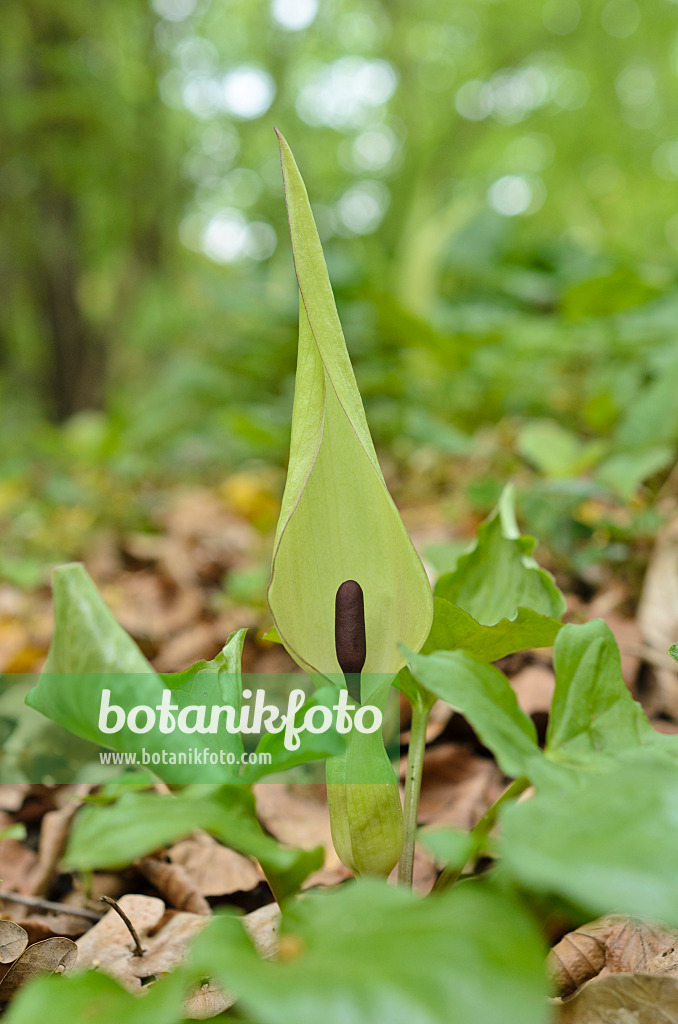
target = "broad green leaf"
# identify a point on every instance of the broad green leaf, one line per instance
(484, 696)
(499, 575)
(138, 823)
(90, 652)
(312, 746)
(651, 419)
(86, 636)
(94, 997)
(555, 451)
(607, 842)
(623, 472)
(370, 952)
(337, 520)
(450, 846)
(454, 629)
(593, 712)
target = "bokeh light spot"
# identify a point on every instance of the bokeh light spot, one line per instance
(294, 15)
(247, 92)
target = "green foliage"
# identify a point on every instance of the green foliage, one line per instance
(312, 746)
(96, 997)
(604, 842)
(369, 951)
(484, 695)
(138, 823)
(499, 575)
(454, 628)
(494, 602)
(91, 652)
(593, 714)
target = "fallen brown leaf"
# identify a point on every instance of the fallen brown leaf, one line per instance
(534, 686)
(298, 815)
(214, 869)
(457, 787)
(54, 832)
(108, 946)
(12, 795)
(614, 944)
(623, 999)
(166, 939)
(47, 925)
(263, 926)
(13, 941)
(16, 864)
(174, 884)
(50, 956)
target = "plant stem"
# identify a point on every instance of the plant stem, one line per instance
(450, 875)
(415, 767)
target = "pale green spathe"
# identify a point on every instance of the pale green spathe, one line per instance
(338, 520)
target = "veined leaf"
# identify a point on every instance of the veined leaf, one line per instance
(606, 842)
(500, 576)
(484, 696)
(91, 652)
(312, 746)
(337, 521)
(138, 823)
(93, 996)
(593, 712)
(454, 629)
(370, 952)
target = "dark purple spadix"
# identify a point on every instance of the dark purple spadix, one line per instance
(349, 628)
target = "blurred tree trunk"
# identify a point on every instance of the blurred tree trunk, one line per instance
(77, 351)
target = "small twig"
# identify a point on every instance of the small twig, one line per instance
(39, 904)
(130, 927)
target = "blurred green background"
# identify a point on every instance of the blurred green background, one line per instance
(494, 182)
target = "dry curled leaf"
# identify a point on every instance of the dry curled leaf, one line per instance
(615, 944)
(174, 884)
(108, 946)
(263, 924)
(214, 869)
(165, 939)
(54, 832)
(623, 999)
(297, 815)
(13, 941)
(44, 926)
(12, 795)
(50, 956)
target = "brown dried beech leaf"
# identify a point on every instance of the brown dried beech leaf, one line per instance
(623, 999)
(165, 939)
(13, 941)
(615, 944)
(263, 925)
(50, 956)
(54, 832)
(108, 946)
(175, 884)
(214, 869)
(299, 816)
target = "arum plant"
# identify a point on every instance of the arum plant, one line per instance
(347, 587)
